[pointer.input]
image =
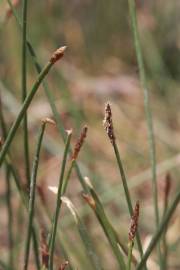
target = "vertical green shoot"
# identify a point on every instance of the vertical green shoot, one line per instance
(32, 193)
(24, 89)
(58, 202)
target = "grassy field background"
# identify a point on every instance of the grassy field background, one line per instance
(99, 66)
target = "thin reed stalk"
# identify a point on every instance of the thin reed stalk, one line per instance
(32, 193)
(54, 58)
(14, 173)
(58, 202)
(108, 229)
(159, 231)
(8, 194)
(50, 97)
(24, 89)
(130, 249)
(167, 189)
(108, 125)
(149, 120)
(88, 244)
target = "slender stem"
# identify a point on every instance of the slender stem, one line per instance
(58, 203)
(130, 249)
(23, 109)
(24, 199)
(24, 90)
(160, 230)
(126, 191)
(65, 182)
(8, 195)
(151, 139)
(10, 217)
(49, 95)
(32, 194)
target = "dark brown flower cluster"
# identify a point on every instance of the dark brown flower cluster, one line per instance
(108, 124)
(79, 143)
(58, 54)
(134, 222)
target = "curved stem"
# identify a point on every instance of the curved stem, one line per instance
(159, 232)
(23, 109)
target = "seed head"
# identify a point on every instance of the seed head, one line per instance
(79, 142)
(108, 124)
(58, 54)
(134, 222)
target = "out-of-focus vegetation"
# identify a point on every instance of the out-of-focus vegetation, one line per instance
(100, 65)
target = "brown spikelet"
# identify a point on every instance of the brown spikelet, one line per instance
(108, 124)
(58, 54)
(79, 143)
(134, 222)
(89, 199)
(63, 265)
(44, 250)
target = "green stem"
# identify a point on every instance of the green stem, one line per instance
(130, 249)
(126, 191)
(58, 203)
(49, 96)
(160, 230)
(108, 228)
(32, 195)
(8, 194)
(151, 139)
(23, 109)
(24, 90)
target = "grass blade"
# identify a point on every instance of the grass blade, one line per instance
(54, 58)
(109, 231)
(84, 235)
(159, 231)
(24, 90)
(49, 95)
(32, 193)
(58, 203)
(108, 124)
(151, 139)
